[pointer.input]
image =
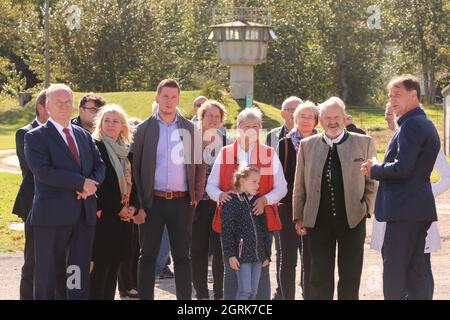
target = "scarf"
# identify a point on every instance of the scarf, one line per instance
(295, 137)
(118, 155)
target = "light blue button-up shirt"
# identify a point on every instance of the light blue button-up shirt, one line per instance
(170, 173)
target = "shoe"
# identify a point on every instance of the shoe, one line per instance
(132, 294)
(277, 295)
(166, 273)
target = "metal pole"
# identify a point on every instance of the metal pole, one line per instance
(47, 43)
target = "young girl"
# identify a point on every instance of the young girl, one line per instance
(245, 237)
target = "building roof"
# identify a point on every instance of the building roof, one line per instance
(239, 23)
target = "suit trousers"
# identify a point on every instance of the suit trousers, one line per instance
(290, 245)
(62, 256)
(350, 243)
(26, 277)
(177, 215)
(404, 261)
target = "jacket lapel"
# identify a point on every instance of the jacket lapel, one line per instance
(320, 157)
(151, 144)
(346, 158)
(60, 141)
(188, 151)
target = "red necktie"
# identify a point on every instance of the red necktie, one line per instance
(72, 146)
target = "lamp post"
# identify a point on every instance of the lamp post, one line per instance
(47, 43)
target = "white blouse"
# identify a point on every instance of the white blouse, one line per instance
(279, 182)
(433, 240)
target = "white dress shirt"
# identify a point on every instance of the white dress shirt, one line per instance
(39, 123)
(63, 135)
(433, 240)
(330, 142)
(279, 182)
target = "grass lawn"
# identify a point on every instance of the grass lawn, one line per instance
(136, 104)
(10, 240)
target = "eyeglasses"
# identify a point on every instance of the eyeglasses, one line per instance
(92, 110)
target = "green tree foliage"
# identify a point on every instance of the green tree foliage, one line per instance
(323, 47)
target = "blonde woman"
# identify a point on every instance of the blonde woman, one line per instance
(113, 232)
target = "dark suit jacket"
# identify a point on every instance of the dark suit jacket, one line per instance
(144, 146)
(24, 199)
(404, 193)
(276, 134)
(112, 236)
(57, 176)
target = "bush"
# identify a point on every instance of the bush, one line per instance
(212, 90)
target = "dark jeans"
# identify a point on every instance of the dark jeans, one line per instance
(128, 269)
(404, 263)
(26, 277)
(290, 244)
(177, 215)
(104, 280)
(350, 242)
(202, 238)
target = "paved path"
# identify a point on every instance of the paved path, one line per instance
(9, 162)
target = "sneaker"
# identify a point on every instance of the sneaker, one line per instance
(166, 273)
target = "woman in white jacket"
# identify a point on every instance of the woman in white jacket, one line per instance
(433, 240)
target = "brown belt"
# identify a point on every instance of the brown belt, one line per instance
(170, 194)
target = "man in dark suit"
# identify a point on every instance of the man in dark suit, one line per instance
(67, 169)
(405, 200)
(170, 180)
(24, 198)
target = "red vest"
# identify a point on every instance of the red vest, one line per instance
(262, 158)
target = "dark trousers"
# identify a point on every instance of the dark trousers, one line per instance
(104, 279)
(61, 251)
(350, 242)
(26, 277)
(177, 215)
(404, 263)
(276, 238)
(203, 237)
(290, 245)
(429, 276)
(128, 269)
